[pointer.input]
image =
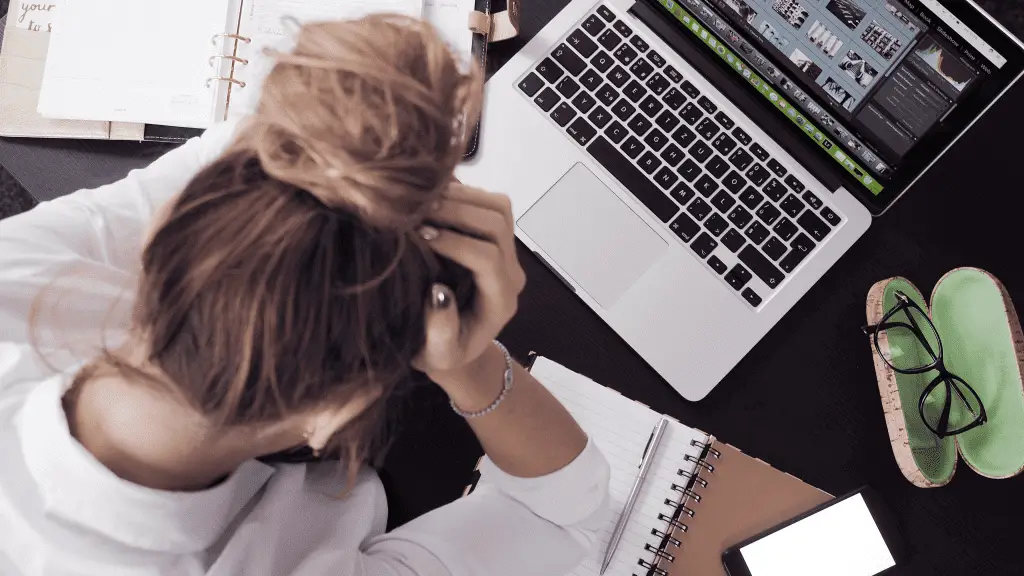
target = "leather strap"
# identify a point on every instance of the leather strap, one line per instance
(499, 26)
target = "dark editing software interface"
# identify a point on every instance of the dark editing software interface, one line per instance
(873, 77)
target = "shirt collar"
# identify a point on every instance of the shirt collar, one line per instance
(77, 488)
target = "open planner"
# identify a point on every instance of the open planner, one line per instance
(700, 495)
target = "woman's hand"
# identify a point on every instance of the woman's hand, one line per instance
(455, 345)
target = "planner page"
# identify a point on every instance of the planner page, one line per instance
(621, 428)
(451, 18)
(132, 61)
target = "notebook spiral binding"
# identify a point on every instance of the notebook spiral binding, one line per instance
(218, 59)
(688, 496)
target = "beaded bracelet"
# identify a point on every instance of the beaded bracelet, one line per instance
(504, 391)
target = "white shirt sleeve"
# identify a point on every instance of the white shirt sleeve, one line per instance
(508, 526)
(89, 243)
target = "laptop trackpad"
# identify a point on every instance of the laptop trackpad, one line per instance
(592, 235)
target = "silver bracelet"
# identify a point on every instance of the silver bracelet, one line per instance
(507, 376)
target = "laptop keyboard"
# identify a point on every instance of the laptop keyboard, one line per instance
(710, 182)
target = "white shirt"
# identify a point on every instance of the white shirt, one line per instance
(63, 513)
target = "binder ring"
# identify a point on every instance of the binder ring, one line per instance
(686, 491)
(707, 447)
(680, 507)
(241, 61)
(697, 479)
(673, 522)
(665, 536)
(215, 37)
(225, 79)
(699, 462)
(652, 568)
(659, 553)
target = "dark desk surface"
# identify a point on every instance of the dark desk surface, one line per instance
(805, 399)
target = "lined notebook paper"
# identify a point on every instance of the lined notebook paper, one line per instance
(621, 428)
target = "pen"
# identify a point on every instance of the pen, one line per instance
(645, 465)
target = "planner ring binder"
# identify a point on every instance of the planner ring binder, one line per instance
(240, 83)
(216, 37)
(223, 57)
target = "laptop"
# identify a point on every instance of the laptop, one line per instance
(690, 168)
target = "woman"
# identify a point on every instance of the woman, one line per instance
(285, 277)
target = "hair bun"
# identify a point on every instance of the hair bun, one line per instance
(368, 115)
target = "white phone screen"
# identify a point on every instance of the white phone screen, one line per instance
(841, 540)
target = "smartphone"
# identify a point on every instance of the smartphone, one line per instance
(850, 536)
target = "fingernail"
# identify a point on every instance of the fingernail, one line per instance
(429, 233)
(442, 297)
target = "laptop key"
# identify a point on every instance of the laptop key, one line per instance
(717, 265)
(599, 116)
(759, 152)
(707, 105)
(797, 253)
(581, 131)
(682, 194)
(690, 170)
(549, 70)
(776, 167)
(768, 213)
(547, 99)
(723, 201)
(632, 147)
(651, 106)
(684, 136)
(584, 102)
(704, 245)
(649, 162)
(666, 177)
(616, 132)
(673, 74)
(814, 226)
(633, 179)
(762, 267)
(685, 227)
(717, 166)
(724, 144)
(658, 84)
(602, 61)
(621, 28)
(618, 76)
(656, 139)
(706, 185)
(567, 87)
(623, 109)
(733, 240)
(582, 43)
(716, 225)
(625, 54)
(639, 44)
(691, 113)
(635, 91)
(690, 89)
(641, 68)
(667, 121)
(802, 243)
(741, 159)
(607, 95)
(734, 182)
(740, 217)
(701, 151)
(830, 216)
(609, 39)
(757, 232)
(674, 98)
(672, 155)
(569, 60)
(750, 197)
(775, 190)
(738, 277)
(811, 199)
(699, 209)
(562, 114)
(707, 128)
(655, 59)
(792, 206)
(606, 13)
(795, 184)
(639, 125)
(593, 25)
(774, 248)
(751, 297)
(741, 136)
(591, 80)
(531, 84)
(758, 175)
(724, 120)
(785, 228)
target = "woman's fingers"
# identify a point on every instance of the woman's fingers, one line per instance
(443, 347)
(483, 223)
(497, 202)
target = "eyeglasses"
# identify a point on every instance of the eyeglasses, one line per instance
(948, 405)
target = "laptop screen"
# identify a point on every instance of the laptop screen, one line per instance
(880, 87)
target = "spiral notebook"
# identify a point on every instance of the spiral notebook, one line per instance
(700, 496)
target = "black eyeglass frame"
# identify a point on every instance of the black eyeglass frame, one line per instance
(951, 380)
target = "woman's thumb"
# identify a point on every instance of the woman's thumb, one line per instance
(443, 329)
